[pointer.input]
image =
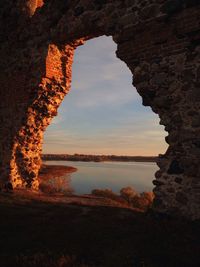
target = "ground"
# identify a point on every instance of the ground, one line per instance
(40, 230)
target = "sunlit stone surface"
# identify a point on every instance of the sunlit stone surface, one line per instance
(160, 43)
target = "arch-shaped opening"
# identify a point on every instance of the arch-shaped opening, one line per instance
(103, 115)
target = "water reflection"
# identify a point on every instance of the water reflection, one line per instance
(102, 175)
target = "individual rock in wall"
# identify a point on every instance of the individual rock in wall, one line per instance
(32, 5)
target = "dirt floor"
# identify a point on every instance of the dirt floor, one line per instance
(40, 230)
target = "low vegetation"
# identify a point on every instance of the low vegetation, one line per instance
(129, 197)
(56, 179)
(98, 158)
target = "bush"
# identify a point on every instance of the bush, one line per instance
(128, 196)
(149, 196)
(128, 193)
(142, 201)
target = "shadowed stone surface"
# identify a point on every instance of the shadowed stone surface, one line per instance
(160, 43)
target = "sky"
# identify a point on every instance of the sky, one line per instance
(103, 113)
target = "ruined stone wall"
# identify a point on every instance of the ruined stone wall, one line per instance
(160, 43)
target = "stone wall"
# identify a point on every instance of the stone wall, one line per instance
(160, 43)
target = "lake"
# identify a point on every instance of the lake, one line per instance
(110, 175)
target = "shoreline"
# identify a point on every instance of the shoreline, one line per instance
(97, 158)
(56, 169)
(55, 181)
(52, 177)
(47, 193)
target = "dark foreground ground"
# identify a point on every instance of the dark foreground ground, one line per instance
(36, 231)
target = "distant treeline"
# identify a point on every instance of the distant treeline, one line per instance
(97, 158)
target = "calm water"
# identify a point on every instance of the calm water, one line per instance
(112, 175)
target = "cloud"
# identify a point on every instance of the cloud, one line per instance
(103, 113)
(136, 139)
(94, 77)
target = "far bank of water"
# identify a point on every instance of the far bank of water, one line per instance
(111, 175)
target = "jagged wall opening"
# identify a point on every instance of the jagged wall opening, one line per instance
(103, 113)
(103, 100)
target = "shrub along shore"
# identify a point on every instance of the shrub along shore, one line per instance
(98, 158)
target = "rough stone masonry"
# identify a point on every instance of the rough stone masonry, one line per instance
(160, 43)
